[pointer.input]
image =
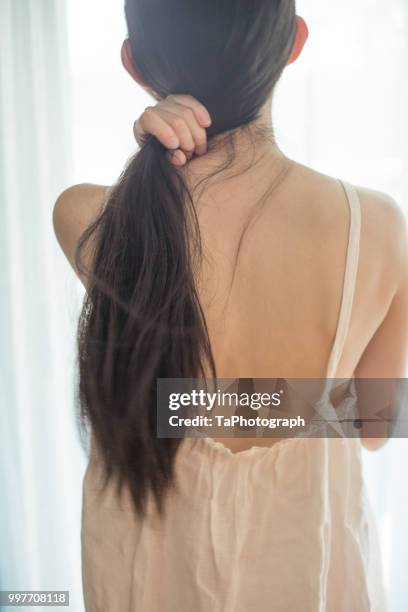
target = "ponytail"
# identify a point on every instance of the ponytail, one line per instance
(141, 320)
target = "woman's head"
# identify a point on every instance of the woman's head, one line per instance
(228, 54)
(142, 319)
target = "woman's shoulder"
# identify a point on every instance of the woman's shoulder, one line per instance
(382, 210)
(382, 215)
(74, 210)
(384, 227)
(82, 200)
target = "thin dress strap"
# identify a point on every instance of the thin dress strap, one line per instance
(350, 275)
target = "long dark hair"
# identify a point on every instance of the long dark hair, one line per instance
(141, 318)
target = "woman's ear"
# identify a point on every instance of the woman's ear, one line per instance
(302, 34)
(128, 63)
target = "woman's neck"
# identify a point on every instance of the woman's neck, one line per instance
(243, 148)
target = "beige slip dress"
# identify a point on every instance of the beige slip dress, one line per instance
(286, 528)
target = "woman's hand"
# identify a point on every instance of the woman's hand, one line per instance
(179, 123)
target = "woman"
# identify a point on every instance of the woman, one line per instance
(217, 255)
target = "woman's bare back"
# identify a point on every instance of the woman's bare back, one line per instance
(272, 275)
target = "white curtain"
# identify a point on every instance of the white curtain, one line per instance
(67, 109)
(41, 463)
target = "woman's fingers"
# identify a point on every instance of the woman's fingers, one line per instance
(178, 123)
(188, 116)
(201, 113)
(177, 157)
(151, 122)
(181, 127)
